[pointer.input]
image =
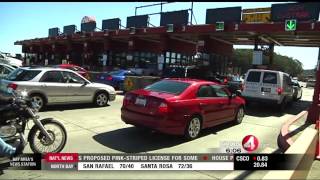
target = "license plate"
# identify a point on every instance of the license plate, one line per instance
(101, 77)
(141, 102)
(265, 89)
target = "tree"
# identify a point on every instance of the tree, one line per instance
(243, 59)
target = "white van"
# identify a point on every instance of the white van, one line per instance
(267, 86)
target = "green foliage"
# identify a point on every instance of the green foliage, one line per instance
(243, 59)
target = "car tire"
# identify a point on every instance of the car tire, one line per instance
(101, 99)
(193, 128)
(240, 115)
(39, 99)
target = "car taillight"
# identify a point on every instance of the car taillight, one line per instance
(12, 86)
(225, 80)
(163, 108)
(109, 78)
(279, 90)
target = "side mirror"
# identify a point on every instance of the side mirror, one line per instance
(238, 93)
(232, 96)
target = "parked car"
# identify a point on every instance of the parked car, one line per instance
(297, 90)
(267, 86)
(192, 72)
(235, 84)
(4, 58)
(181, 106)
(114, 78)
(49, 86)
(311, 83)
(83, 72)
(5, 69)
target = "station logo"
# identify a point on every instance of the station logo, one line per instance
(250, 143)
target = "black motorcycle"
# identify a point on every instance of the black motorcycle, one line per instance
(46, 135)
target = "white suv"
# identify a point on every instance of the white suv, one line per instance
(50, 86)
(267, 86)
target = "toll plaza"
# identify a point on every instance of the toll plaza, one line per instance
(180, 42)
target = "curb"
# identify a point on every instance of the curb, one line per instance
(284, 140)
(305, 145)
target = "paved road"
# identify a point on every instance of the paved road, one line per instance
(100, 130)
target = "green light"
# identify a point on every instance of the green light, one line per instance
(291, 25)
(170, 28)
(219, 26)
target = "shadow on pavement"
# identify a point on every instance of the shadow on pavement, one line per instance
(263, 110)
(135, 140)
(70, 107)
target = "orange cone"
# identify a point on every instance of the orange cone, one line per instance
(318, 144)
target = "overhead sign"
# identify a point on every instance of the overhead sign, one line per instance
(257, 58)
(111, 24)
(291, 25)
(219, 26)
(175, 18)
(232, 14)
(53, 32)
(88, 27)
(68, 30)
(299, 11)
(257, 15)
(138, 21)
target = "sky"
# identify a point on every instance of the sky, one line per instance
(28, 20)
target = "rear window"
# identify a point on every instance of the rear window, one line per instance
(171, 87)
(270, 78)
(254, 76)
(22, 75)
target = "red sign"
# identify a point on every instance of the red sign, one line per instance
(250, 143)
(62, 157)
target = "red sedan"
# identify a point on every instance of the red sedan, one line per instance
(75, 68)
(181, 106)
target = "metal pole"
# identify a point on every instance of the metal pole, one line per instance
(314, 110)
(191, 12)
(271, 50)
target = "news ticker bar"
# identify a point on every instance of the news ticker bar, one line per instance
(82, 162)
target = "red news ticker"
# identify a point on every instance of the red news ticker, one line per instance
(62, 157)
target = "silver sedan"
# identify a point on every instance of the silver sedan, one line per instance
(49, 86)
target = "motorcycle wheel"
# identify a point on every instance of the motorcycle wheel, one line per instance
(40, 144)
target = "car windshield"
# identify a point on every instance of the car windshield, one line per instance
(22, 75)
(236, 78)
(167, 86)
